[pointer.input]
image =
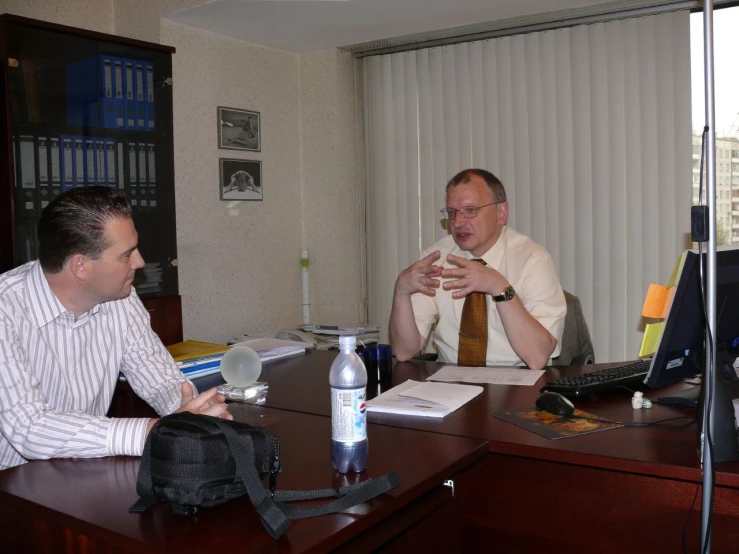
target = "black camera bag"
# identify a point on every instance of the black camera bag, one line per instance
(192, 460)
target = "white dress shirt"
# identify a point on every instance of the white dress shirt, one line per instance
(527, 266)
(58, 375)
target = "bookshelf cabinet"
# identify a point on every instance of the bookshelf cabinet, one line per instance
(81, 108)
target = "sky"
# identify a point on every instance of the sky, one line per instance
(725, 69)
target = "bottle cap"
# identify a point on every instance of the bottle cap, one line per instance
(638, 394)
(347, 341)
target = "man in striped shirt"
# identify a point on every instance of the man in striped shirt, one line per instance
(69, 322)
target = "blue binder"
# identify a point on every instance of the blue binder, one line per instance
(119, 102)
(150, 121)
(140, 95)
(91, 154)
(90, 93)
(67, 163)
(129, 90)
(83, 93)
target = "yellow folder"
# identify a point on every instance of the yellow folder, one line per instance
(195, 349)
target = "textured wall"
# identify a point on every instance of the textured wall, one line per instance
(137, 19)
(330, 191)
(240, 261)
(140, 18)
(95, 15)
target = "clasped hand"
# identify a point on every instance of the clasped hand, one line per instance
(469, 276)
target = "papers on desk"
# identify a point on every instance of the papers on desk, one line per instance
(340, 329)
(487, 375)
(423, 399)
(273, 349)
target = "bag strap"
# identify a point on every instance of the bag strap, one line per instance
(242, 448)
(348, 496)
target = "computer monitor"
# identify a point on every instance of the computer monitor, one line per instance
(680, 352)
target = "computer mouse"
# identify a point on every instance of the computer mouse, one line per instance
(555, 403)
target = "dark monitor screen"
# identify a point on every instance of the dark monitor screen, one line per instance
(680, 352)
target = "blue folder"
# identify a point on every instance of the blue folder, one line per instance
(129, 90)
(90, 87)
(119, 102)
(149, 72)
(140, 95)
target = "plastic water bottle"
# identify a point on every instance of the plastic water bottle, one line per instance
(348, 380)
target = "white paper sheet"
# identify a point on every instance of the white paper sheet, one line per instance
(488, 375)
(404, 399)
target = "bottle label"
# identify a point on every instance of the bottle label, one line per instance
(348, 415)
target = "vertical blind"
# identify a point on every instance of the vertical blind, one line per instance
(588, 128)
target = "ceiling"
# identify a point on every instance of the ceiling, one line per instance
(301, 26)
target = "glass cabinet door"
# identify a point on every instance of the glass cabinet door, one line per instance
(87, 112)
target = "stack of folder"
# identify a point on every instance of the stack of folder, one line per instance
(195, 358)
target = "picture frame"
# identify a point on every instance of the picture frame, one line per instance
(239, 129)
(240, 179)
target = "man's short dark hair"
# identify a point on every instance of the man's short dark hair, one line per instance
(493, 183)
(74, 223)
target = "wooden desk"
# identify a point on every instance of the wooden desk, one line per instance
(622, 490)
(82, 505)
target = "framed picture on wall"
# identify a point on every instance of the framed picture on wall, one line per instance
(240, 179)
(239, 130)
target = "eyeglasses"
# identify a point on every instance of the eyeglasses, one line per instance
(468, 212)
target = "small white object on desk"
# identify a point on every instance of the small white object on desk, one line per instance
(637, 402)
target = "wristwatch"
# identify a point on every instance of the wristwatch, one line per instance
(506, 295)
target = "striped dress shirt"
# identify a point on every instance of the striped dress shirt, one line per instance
(58, 375)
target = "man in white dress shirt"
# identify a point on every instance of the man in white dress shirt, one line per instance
(69, 322)
(525, 304)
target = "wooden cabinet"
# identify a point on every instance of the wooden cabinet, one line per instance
(166, 317)
(81, 108)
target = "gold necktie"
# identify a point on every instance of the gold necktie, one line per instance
(473, 330)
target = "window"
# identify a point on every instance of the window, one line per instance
(726, 83)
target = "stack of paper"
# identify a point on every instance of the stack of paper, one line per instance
(423, 399)
(488, 375)
(331, 333)
(273, 349)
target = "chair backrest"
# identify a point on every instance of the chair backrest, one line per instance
(577, 348)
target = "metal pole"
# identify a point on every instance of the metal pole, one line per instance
(709, 383)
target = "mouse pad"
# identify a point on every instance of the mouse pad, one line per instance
(556, 427)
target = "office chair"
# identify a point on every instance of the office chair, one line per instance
(577, 348)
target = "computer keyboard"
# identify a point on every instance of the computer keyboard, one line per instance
(627, 375)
